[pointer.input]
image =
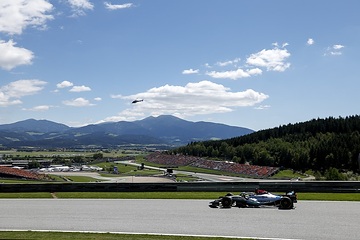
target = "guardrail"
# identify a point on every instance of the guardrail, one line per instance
(299, 186)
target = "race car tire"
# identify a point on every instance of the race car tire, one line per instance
(226, 202)
(286, 203)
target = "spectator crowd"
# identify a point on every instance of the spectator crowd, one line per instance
(10, 172)
(231, 167)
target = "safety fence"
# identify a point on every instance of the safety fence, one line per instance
(272, 186)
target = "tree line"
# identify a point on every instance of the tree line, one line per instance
(318, 144)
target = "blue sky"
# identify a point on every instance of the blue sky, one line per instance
(255, 64)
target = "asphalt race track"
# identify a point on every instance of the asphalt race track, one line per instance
(310, 220)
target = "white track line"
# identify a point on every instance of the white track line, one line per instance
(155, 234)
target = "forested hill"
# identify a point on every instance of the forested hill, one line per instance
(318, 144)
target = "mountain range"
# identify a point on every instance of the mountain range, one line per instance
(167, 131)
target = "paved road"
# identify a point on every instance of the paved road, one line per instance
(310, 220)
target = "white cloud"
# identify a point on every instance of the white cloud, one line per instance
(236, 74)
(190, 71)
(78, 102)
(12, 93)
(40, 108)
(227, 63)
(64, 84)
(98, 99)
(231, 63)
(338, 46)
(310, 41)
(334, 50)
(16, 15)
(110, 6)
(262, 107)
(6, 101)
(203, 97)
(335, 53)
(22, 88)
(272, 59)
(116, 96)
(275, 44)
(80, 89)
(126, 115)
(12, 56)
(79, 7)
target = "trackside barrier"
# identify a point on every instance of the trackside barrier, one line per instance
(273, 186)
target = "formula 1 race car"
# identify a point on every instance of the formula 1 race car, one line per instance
(256, 199)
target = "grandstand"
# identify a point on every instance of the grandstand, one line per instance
(182, 160)
(10, 172)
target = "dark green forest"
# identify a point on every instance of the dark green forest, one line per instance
(318, 144)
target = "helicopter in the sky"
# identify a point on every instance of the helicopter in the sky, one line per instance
(137, 100)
